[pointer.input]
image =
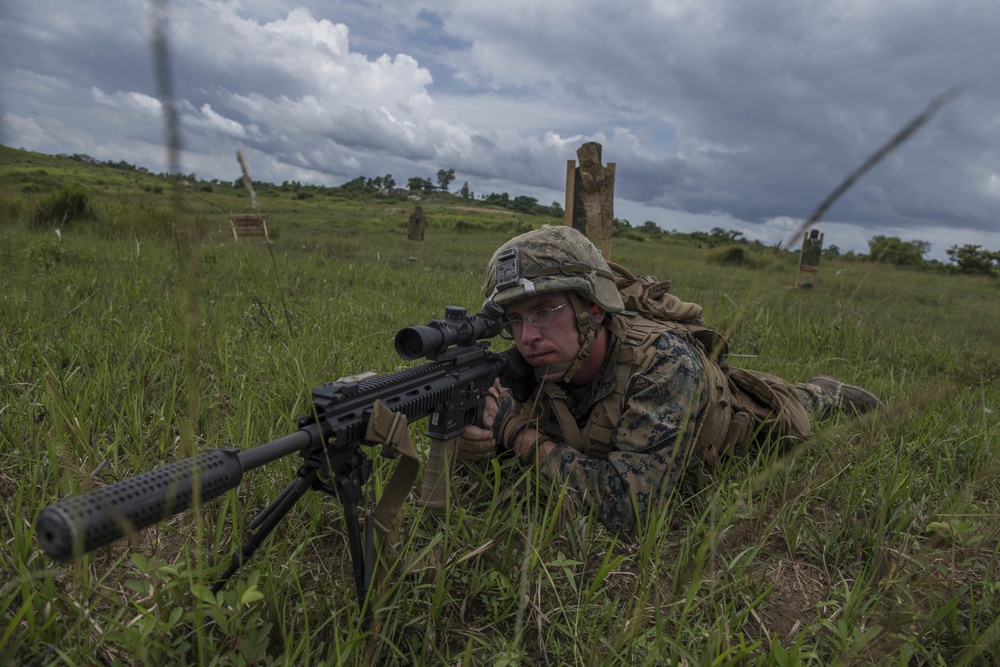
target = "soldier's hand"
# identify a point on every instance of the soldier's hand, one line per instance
(475, 444)
(491, 404)
(532, 446)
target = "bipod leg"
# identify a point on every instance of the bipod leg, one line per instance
(362, 559)
(266, 521)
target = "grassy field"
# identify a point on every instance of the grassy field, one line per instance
(874, 543)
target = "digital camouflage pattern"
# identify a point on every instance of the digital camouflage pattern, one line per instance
(651, 444)
(654, 440)
(552, 259)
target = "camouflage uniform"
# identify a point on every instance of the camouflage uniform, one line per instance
(655, 439)
(652, 442)
(656, 394)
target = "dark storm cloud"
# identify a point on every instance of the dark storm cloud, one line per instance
(715, 112)
(776, 102)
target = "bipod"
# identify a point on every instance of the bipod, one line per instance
(341, 474)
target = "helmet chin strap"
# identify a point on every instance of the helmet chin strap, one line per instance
(588, 329)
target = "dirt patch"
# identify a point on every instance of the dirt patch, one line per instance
(796, 588)
(482, 210)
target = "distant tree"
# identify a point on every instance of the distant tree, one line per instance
(720, 236)
(701, 237)
(359, 184)
(388, 182)
(620, 225)
(524, 204)
(445, 177)
(831, 251)
(556, 210)
(465, 192)
(651, 228)
(417, 184)
(893, 250)
(502, 199)
(974, 259)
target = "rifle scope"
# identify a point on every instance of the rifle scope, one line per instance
(456, 328)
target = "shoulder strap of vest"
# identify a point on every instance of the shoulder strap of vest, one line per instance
(571, 433)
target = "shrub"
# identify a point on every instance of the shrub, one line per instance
(463, 226)
(46, 253)
(11, 209)
(519, 226)
(734, 255)
(632, 235)
(64, 208)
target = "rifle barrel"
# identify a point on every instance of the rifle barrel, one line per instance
(82, 523)
(449, 387)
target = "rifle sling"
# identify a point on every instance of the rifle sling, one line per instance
(390, 429)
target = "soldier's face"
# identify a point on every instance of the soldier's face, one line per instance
(550, 348)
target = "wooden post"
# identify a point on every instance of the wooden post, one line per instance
(812, 250)
(569, 217)
(416, 226)
(590, 195)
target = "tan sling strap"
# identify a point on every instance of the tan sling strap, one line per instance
(390, 429)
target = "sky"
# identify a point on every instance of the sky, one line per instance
(739, 114)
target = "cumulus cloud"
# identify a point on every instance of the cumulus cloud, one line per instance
(27, 130)
(716, 112)
(136, 102)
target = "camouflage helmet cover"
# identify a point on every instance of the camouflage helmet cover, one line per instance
(551, 259)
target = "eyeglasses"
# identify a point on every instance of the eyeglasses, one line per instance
(542, 317)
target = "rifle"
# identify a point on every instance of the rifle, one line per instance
(449, 389)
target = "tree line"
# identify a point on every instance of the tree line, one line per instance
(968, 258)
(361, 186)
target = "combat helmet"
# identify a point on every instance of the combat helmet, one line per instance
(551, 259)
(556, 259)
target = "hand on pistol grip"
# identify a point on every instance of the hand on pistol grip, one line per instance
(476, 443)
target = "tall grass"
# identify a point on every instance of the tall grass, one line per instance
(874, 542)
